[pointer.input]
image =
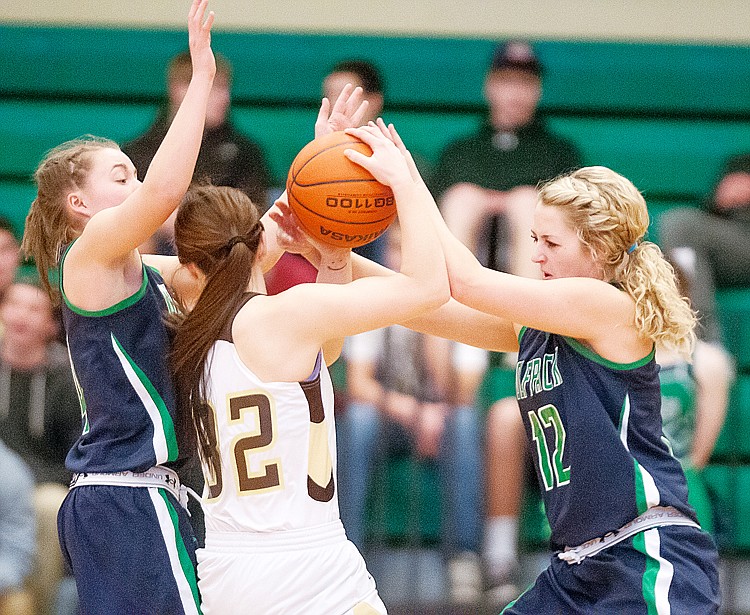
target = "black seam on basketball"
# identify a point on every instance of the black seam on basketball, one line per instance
(290, 193)
(336, 181)
(318, 153)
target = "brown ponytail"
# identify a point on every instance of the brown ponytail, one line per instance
(217, 229)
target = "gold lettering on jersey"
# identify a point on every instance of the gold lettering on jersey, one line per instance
(536, 375)
(320, 484)
(213, 476)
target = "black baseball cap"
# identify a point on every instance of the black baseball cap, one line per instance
(516, 55)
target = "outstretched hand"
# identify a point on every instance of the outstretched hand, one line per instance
(291, 237)
(391, 131)
(199, 36)
(347, 112)
(387, 163)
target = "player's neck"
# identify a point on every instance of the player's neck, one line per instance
(257, 283)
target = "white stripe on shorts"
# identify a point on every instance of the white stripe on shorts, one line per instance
(169, 533)
(664, 574)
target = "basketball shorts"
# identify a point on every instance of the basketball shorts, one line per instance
(315, 571)
(131, 551)
(667, 569)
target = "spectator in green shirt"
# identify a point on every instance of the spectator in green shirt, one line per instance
(486, 182)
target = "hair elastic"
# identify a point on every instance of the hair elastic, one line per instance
(632, 248)
(251, 239)
(234, 241)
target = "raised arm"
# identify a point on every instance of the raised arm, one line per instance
(113, 233)
(335, 268)
(371, 303)
(580, 307)
(346, 112)
(117, 212)
(714, 374)
(453, 320)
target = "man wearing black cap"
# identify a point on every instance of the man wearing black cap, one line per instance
(486, 182)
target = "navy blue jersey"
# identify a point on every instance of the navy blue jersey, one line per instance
(119, 361)
(596, 437)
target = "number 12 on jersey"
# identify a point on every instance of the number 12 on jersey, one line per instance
(554, 474)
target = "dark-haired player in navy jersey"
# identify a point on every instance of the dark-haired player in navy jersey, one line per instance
(627, 541)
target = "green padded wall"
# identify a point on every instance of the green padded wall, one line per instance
(636, 77)
(734, 311)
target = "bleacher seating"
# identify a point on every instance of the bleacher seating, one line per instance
(665, 115)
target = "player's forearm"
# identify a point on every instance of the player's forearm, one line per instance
(421, 253)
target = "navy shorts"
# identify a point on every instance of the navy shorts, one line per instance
(131, 551)
(667, 569)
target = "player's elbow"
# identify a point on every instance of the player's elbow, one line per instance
(167, 194)
(462, 283)
(437, 292)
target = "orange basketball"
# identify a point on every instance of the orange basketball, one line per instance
(336, 200)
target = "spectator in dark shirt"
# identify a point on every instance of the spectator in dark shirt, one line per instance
(227, 157)
(711, 243)
(486, 183)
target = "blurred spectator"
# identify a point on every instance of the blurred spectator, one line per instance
(486, 183)
(366, 75)
(711, 243)
(362, 73)
(508, 469)
(226, 158)
(40, 415)
(407, 397)
(10, 255)
(693, 408)
(694, 401)
(292, 268)
(17, 540)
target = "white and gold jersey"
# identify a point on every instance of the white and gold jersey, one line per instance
(277, 442)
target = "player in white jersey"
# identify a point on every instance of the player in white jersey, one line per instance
(252, 369)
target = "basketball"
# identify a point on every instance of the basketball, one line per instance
(335, 200)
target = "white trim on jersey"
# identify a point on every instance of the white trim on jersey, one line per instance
(653, 497)
(651, 491)
(159, 440)
(664, 575)
(624, 422)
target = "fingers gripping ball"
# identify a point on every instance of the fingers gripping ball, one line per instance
(337, 201)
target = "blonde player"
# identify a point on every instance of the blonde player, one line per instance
(587, 384)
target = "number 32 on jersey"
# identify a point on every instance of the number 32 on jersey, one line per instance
(320, 483)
